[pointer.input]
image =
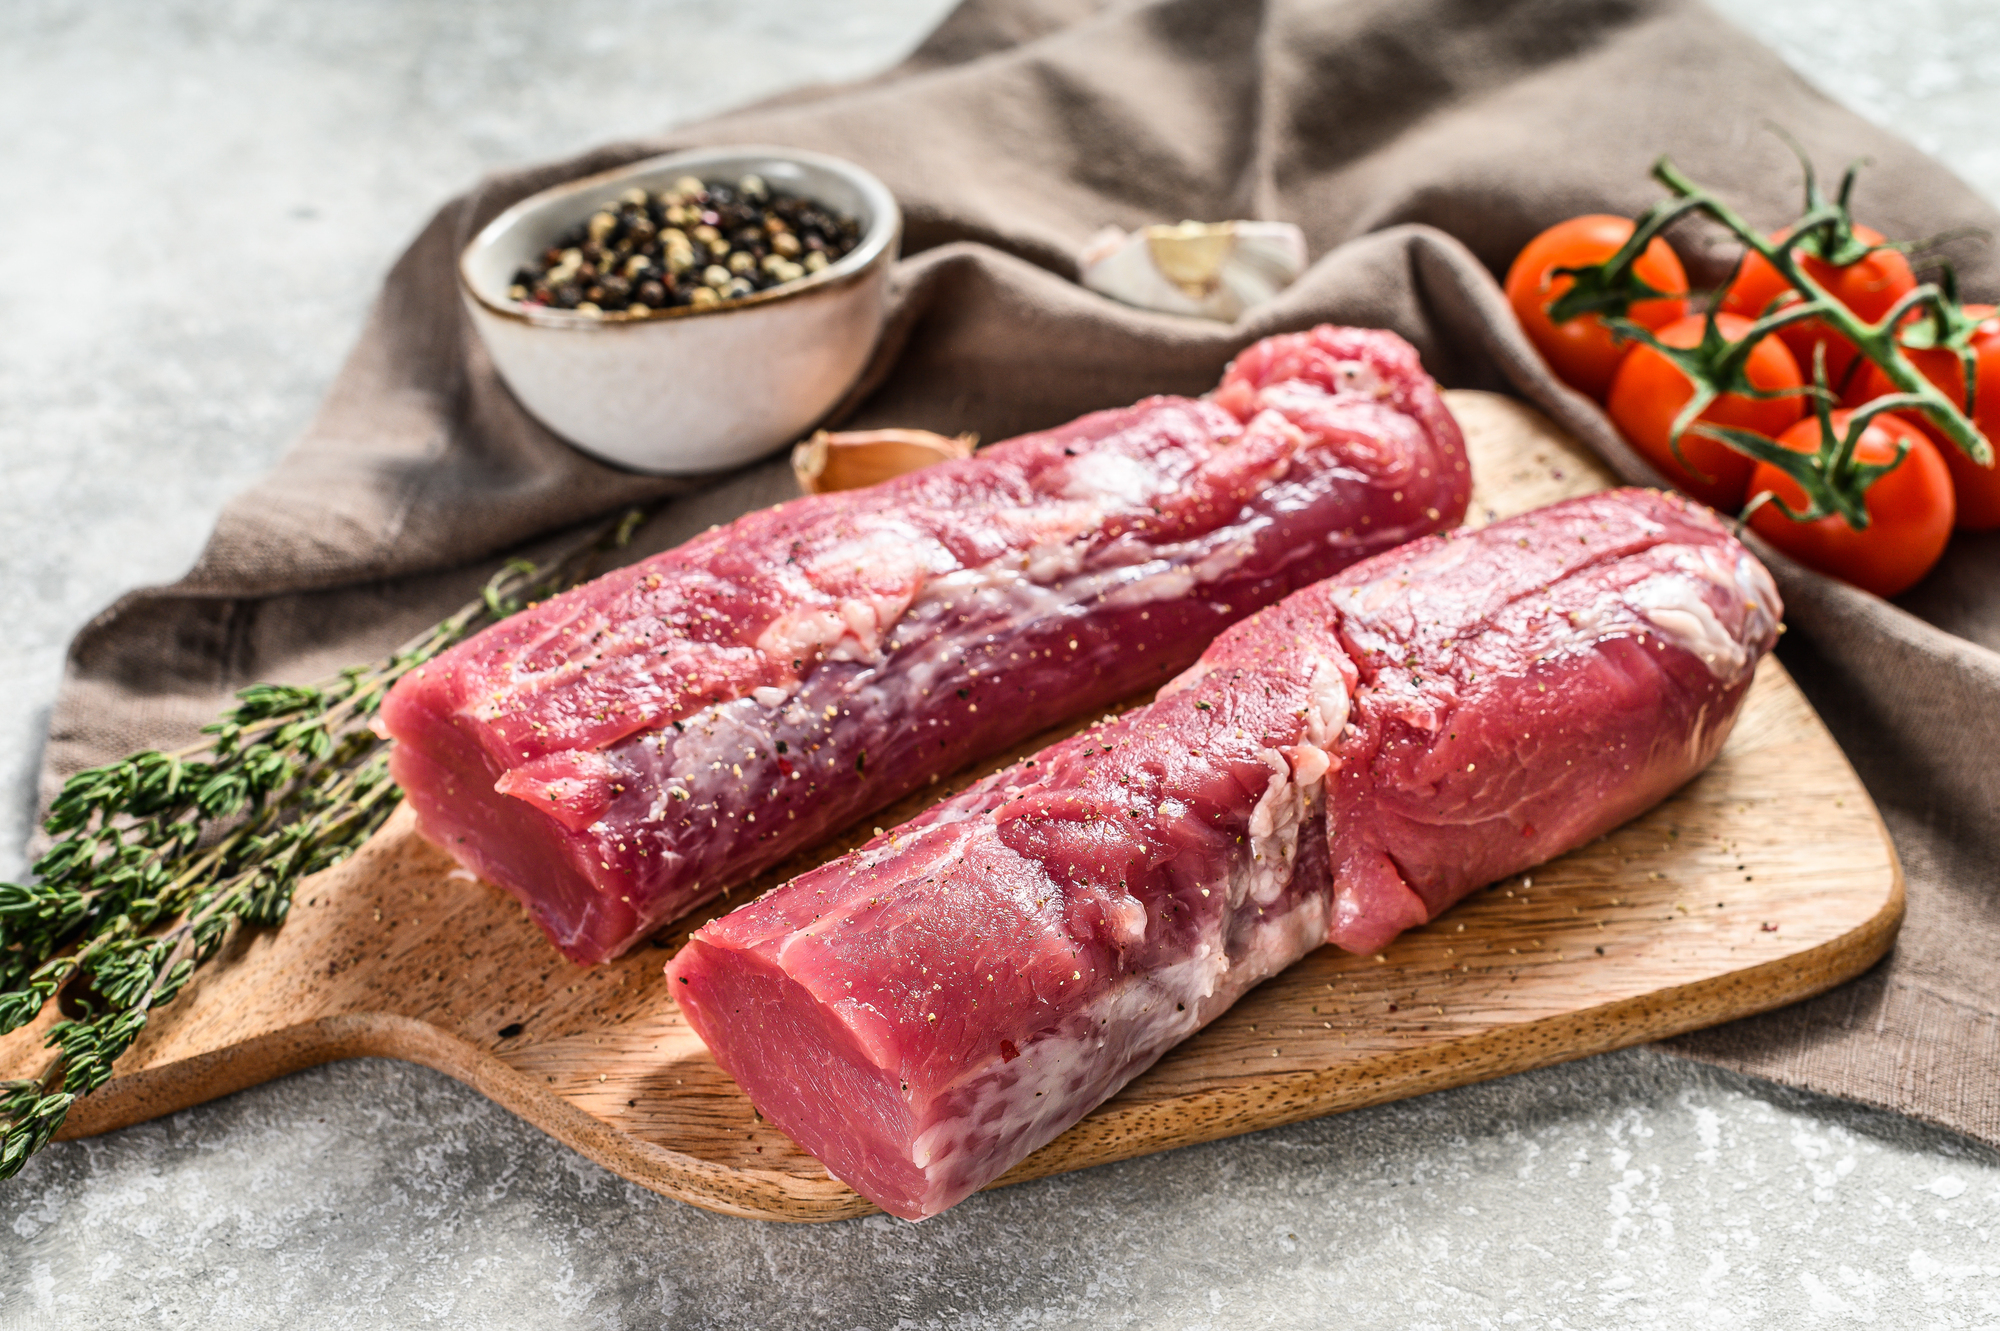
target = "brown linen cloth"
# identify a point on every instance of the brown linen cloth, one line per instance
(1420, 143)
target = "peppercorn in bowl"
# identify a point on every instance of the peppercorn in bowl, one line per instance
(691, 312)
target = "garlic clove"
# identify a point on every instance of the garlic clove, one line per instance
(1191, 255)
(1215, 270)
(851, 459)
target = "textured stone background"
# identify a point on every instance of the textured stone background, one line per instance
(201, 198)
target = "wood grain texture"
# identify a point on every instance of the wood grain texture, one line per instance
(1765, 880)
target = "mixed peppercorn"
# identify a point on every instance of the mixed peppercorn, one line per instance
(696, 243)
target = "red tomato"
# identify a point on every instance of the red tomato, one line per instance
(1868, 286)
(1650, 391)
(1909, 509)
(1977, 488)
(1583, 352)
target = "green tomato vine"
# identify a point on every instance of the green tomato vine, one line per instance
(1929, 316)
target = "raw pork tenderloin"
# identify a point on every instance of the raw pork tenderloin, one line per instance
(924, 1012)
(625, 751)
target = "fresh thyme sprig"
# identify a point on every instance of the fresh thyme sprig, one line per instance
(1928, 316)
(157, 857)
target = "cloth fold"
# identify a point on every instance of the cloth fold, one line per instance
(1419, 143)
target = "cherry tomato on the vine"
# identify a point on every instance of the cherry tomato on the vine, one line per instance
(1583, 352)
(1650, 391)
(1977, 488)
(1909, 509)
(1869, 286)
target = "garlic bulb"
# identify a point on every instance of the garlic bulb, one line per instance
(1215, 270)
(854, 458)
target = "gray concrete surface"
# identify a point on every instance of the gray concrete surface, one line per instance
(200, 200)
(1630, 1191)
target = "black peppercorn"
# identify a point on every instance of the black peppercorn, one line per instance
(694, 243)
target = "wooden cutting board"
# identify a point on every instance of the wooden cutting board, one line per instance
(1767, 879)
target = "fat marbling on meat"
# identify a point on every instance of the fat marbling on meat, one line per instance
(621, 753)
(1344, 765)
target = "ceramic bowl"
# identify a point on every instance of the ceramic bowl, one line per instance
(688, 390)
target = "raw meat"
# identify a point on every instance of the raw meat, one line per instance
(625, 751)
(924, 1012)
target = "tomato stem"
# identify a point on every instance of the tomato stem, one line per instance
(1928, 316)
(1877, 341)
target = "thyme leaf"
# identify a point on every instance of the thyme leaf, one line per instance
(159, 856)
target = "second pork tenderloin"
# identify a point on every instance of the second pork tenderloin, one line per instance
(924, 1012)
